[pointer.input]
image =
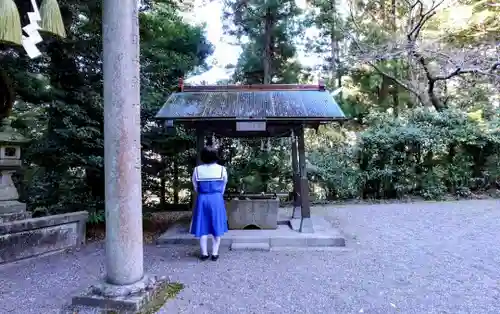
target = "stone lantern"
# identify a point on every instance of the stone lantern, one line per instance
(22, 236)
(10, 161)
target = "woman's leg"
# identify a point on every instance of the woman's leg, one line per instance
(203, 245)
(215, 246)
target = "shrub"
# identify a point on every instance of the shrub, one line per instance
(423, 153)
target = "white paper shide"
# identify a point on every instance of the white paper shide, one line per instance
(29, 42)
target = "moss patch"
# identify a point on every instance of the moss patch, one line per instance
(168, 292)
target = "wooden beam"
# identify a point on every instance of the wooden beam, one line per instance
(257, 87)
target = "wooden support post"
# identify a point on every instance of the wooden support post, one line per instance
(200, 143)
(296, 179)
(305, 223)
(210, 139)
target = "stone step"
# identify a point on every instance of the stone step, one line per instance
(337, 249)
(246, 246)
(9, 207)
(324, 235)
(14, 217)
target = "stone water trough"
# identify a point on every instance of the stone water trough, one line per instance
(253, 211)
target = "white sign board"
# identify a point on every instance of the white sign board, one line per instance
(251, 126)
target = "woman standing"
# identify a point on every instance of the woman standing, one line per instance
(209, 214)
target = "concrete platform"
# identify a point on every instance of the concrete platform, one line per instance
(285, 236)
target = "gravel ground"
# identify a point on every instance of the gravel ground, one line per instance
(403, 258)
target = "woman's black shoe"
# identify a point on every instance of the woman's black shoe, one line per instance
(215, 257)
(204, 257)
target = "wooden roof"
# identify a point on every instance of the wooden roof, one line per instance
(279, 102)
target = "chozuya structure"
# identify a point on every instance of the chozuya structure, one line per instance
(125, 287)
(274, 110)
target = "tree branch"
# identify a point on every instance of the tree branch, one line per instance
(419, 16)
(459, 71)
(378, 69)
(423, 17)
(387, 75)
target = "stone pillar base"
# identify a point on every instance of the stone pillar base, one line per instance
(147, 294)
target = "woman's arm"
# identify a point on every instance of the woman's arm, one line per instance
(193, 179)
(224, 178)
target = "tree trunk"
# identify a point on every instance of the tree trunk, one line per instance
(383, 92)
(267, 60)
(176, 181)
(438, 105)
(163, 184)
(393, 15)
(334, 44)
(395, 100)
(95, 182)
(395, 87)
(383, 15)
(163, 191)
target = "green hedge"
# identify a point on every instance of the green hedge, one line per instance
(424, 153)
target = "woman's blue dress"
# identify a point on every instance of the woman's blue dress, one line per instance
(209, 214)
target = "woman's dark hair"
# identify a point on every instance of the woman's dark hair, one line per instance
(208, 155)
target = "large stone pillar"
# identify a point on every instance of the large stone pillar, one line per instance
(125, 287)
(306, 225)
(122, 142)
(296, 179)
